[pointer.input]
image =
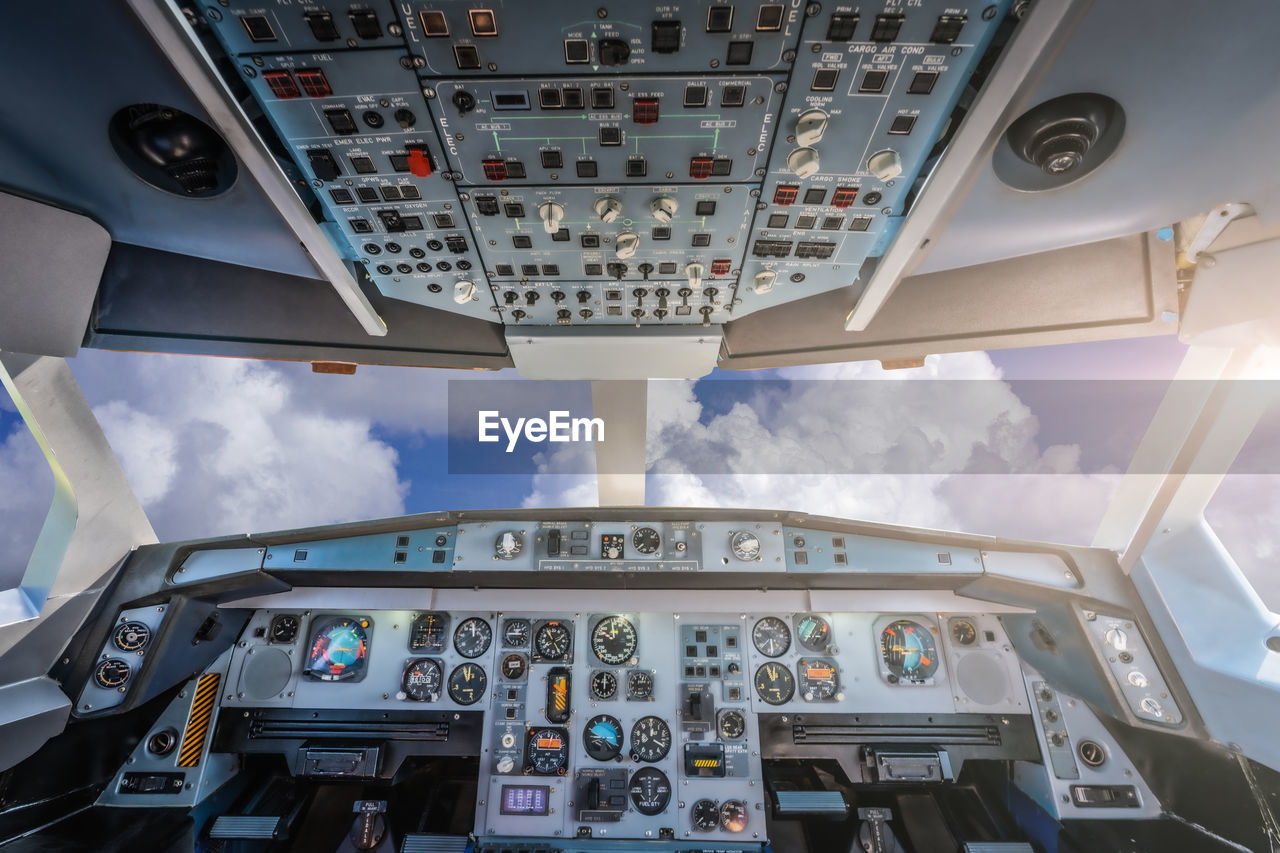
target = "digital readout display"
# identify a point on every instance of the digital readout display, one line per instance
(525, 799)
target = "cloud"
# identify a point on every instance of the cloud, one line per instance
(25, 496)
(219, 446)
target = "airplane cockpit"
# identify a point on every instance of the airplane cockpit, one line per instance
(466, 426)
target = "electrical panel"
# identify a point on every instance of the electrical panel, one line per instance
(570, 164)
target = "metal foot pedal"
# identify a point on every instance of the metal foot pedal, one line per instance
(259, 827)
(422, 842)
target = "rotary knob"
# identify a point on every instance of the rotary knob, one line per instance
(664, 209)
(626, 245)
(694, 273)
(608, 209)
(552, 214)
(464, 292)
(803, 161)
(810, 127)
(764, 281)
(885, 165)
(506, 764)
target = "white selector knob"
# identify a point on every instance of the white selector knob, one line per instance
(694, 272)
(608, 209)
(885, 165)
(464, 292)
(626, 245)
(763, 281)
(810, 127)
(803, 161)
(551, 214)
(506, 764)
(664, 209)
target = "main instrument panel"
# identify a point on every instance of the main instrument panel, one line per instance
(579, 163)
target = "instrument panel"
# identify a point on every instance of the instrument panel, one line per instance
(632, 723)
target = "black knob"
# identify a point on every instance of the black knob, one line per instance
(584, 296)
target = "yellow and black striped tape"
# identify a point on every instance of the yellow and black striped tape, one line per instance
(198, 722)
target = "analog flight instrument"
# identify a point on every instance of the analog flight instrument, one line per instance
(284, 628)
(547, 751)
(733, 815)
(339, 649)
(604, 684)
(428, 633)
(467, 684)
(553, 641)
(705, 816)
(732, 725)
(813, 632)
(774, 683)
(819, 681)
(909, 651)
(745, 545)
(111, 673)
(646, 541)
(515, 633)
(131, 636)
(422, 680)
(650, 791)
(650, 739)
(640, 684)
(963, 632)
(472, 637)
(771, 636)
(602, 738)
(514, 667)
(614, 640)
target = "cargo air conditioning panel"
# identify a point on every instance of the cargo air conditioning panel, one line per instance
(358, 128)
(607, 131)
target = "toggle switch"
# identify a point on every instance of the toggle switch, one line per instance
(803, 161)
(552, 214)
(810, 127)
(608, 209)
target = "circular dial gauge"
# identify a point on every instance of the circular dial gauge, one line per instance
(775, 684)
(131, 636)
(771, 636)
(732, 725)
(602, 738)
(745, 545)
(819, 681)
(508, 545)
(646, 540)
(422, 680)
(604, 684)
(339, 649)
(650, 739)
(515, 633)
(284, 628)
(547, 751)
(909, 651)
(639, 684)
(614, 640)
(111, 673)
(963, 632)
(705, 816)
(733, 815)
(650, 791)
(467, 684)
(553, 641)
(514, 667)
(472, 637)
(813, 632)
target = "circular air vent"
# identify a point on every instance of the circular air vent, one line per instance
(172, 150)
(1059, 142)
(162, 742)
(1091, 753)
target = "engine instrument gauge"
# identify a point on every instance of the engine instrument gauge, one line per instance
(428, 633)
(909, 651)
(547, 752)
(558, 709)
(422, 680)
(819, 681)
(553, 641)
(705, 816)
(650, 739)
(111, 673)
(514, 666)
(650, 791)
(745, 545)
(604, 684)
(472, 637)
(284, 628)
(963, 632)
(774, 683)
(508, 545)
(515, 633)
(733, 815)
(813, 632)
(613, 640)
(771, 636)
(339, 649)
(646, 540)
(640, 684)
(602, 737)
(131, 636)
(731, 725)
(467, 684)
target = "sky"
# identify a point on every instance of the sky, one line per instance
(994, 443)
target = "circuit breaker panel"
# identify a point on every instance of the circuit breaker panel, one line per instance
(597, 164)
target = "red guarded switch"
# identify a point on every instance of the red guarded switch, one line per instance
(281, 83)
(844, 196)
(495, 170)
(785, 194)
(721, 266)
(314, 83)
(420, 161)
(644, 110)
(700, 168)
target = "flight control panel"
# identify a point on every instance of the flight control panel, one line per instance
(588, 164)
